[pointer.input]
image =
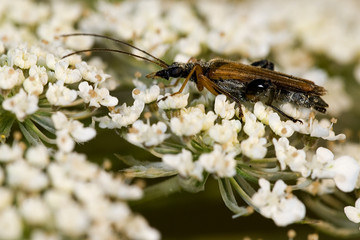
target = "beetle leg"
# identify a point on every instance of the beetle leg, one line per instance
(173, 84)
(196, 68)
(263, 64)
(203, 81)
(272, 92)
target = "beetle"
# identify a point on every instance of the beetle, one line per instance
(239, 82)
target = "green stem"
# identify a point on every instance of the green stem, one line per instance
(229, 199)
(159, 190)
(79, 115)
(331, 215)
(332, 230)
(29, 125)
(241, 192)
(264, 160)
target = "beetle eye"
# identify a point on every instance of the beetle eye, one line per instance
(175, 72)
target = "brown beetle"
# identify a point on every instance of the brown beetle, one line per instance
(239, 82)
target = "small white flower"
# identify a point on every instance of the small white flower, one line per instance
(323, 129)
(76, 165)
(209, 119)
(72, 220)
(69, 130)
(39, 74)
(50, 61)
(295, 112)
(344, 170)
(321, 163)
(118, 212)
(105, 122)
(102, 230)
(38, 77)
(173, 102)
(9, 154)
(353, 213)
(73, 11)
(147, 95)
(35, 211)
(64, 141)
(254, 147)
(253, 127)
(123, 116)
(191, 121)
(91, 73)
(33, 86)
(66, 74)
(59, 95)
(96, 96)
(223, 108)
(183, 163)
(11, 224)
(290, 156)
(38, 156)
(262, 112)
(10, 77)
(22, 57)
(277, 205)
(116, 187)
(88, 192)
(226, 133)
(28, 13)
(56, 198)
(346, 173)
(21, 174)
(21, 104)
(138, 228)
(218, 162)
(280, 128)
(149, 135)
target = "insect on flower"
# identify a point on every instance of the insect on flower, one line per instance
(239, 82)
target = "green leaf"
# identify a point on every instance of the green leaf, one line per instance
(37, 132)
(145, 169)
(30, 135)
(6, 122)
(44, 121)
(229, 199)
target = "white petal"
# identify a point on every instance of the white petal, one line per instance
(353, 214)
(83, 134)
(347, 172)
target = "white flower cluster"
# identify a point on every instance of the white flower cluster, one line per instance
(277, 204)
(35, 82)
(194, 121)
(344, 170)
(66, 193)
(218, 162)
(47, 76)
(69, 130)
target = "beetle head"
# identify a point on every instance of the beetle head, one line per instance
(175, 70)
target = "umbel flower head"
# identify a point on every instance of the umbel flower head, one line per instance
(64, 192)
(279, 168)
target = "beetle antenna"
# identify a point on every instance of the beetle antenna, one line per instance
(115, 50)
(118, 41)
